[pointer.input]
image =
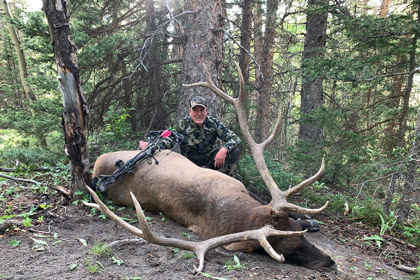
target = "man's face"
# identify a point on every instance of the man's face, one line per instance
(198, 114)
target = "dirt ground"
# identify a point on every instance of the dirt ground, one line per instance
(59, 246)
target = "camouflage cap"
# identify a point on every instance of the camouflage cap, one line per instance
(198, 101)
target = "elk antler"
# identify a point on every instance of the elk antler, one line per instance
(199, 248)
(279, 198)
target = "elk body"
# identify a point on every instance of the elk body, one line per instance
(210, 203)
(215, 206)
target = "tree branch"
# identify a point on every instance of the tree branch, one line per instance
(20, 179)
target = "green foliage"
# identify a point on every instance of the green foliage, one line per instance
(385, 225)
(235, 265)
(379, 240)
(37, 118)
(21, 149)
(40, 244)
(100, 250)
(93, 266)
(251, 177)
(117, 261)
(14, 242)
(116, 134)
(187, 255)
(412, 229)
(116, 121)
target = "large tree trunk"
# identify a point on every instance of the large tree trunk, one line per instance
(244, 58)
(203, 45)
(156, 91)
(391, 131)
(23, 74)
(411, 192)
(265, 79)
(312, 87)
(76, 112)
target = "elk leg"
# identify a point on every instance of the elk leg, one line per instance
(254, 196)
(305, 221)
(297, 216)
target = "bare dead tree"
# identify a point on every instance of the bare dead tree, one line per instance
(76, 111)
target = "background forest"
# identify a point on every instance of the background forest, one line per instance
(343, 74)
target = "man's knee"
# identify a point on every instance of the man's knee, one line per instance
(233, 156)
(231, 163)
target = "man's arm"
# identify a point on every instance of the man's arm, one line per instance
(220, 158)
(166, 143)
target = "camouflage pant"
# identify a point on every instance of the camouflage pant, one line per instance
(231, 163)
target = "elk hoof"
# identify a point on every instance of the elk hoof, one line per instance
(310, 225)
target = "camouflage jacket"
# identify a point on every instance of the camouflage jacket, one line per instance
(198, 142)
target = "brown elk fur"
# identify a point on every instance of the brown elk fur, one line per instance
(209, 202)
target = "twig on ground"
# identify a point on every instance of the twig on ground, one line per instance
(37, 169)
(41, 231)
(402, 242)
(407, 269)
(20, 180)
(126, 241)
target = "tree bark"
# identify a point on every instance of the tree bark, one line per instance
(156, 92)
(203, 45)
(411, 192)
(76, 111)
(312, 86)
(391, 130)
(265, 79)
(246, 29)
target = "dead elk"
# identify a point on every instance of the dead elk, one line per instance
(215, 206)
(210, 203)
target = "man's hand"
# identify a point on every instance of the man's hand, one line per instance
(219, 159)
(143, 144)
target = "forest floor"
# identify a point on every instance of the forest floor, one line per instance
(61, 245)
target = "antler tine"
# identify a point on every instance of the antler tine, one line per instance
(291, 207)
(274, 131)
(303, 210)
(199, 248)
(306, 182)
(210, 85)
(104, 209)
